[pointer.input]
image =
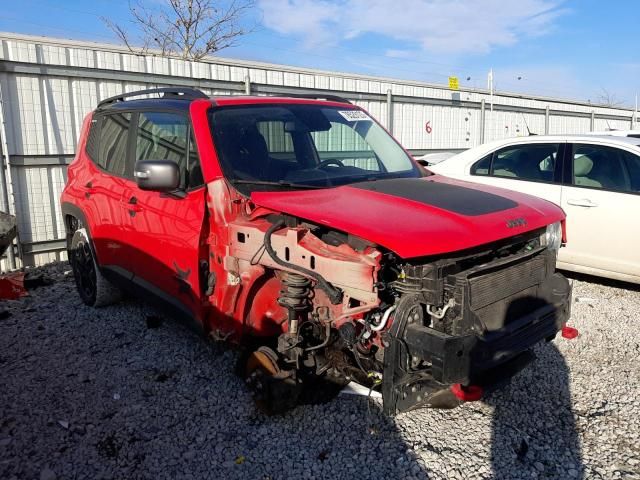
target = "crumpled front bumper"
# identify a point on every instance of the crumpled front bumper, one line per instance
(483, 359)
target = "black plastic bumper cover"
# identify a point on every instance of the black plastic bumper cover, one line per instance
(486, 359)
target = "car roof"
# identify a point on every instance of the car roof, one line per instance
(618, 133)
(585, 137)
(149, 103)
(179, 98)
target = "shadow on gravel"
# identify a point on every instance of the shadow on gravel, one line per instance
(605, 282)
(533, 429)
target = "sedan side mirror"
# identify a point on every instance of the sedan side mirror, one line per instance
(422, 162)
(158, 175)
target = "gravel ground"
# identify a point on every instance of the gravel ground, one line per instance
(107, 393)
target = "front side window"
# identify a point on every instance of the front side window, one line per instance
(163, 136)
(112, 147)
(607, 168)
(305, 145)
(536, 163)
(195, 170)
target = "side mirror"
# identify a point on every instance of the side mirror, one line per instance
(158, 175)
(422, 162)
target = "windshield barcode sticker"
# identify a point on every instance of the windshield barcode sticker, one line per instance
(354, 115)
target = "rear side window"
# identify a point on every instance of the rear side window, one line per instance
(633, 166)
(536, 163)
(483, 166)
(163, 136)
(112, 148)
(92, 139)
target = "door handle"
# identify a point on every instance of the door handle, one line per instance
(89, 189)
(132, 205)
(582, 202)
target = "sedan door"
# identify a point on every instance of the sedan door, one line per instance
(602, 202)
(533, 168)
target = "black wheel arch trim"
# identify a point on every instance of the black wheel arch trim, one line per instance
(69, 209)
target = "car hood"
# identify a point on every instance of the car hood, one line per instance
(416, 217)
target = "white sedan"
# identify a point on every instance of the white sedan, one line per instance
(595, 179)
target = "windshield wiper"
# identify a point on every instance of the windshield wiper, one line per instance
(280, 183)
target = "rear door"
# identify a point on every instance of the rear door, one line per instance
(602, 201)
(168, 228)
(106, 181)
(533, 168)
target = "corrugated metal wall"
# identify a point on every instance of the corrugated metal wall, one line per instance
(48, 85)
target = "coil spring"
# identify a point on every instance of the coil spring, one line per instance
(295, 292)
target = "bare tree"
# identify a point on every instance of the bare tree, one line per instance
(609, 99)
(190, 29)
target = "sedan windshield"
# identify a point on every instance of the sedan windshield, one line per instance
(275, 146)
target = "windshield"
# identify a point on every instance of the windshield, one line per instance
(266, 147)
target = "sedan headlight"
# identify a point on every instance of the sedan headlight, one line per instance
(552, 237)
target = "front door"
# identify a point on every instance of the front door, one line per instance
(168, 229)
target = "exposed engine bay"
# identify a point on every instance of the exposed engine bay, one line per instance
(317, 303)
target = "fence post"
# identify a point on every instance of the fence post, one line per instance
(483, 119)
(593, 120)
(389, 111)
(546, 120)
(247, 85)
(5, 179)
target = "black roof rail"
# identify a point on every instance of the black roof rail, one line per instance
(318, 96)
(175, 92)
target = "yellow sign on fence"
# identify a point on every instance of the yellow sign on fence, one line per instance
(453, 83)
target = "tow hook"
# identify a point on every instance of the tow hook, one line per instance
(471, 393)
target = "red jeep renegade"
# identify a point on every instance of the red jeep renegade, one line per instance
(300, 229)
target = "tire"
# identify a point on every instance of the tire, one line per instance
(94, 289)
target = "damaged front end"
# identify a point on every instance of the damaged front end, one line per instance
(471, 321)
(321, 308)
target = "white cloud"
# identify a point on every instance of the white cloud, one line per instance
(437, 26)
(307, 19)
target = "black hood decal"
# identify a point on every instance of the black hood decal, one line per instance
(461, 200)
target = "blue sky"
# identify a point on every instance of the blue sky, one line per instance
(572, 49)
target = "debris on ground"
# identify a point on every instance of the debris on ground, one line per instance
(12, 286)
(588, 300)
(8, 230)
(33, 281)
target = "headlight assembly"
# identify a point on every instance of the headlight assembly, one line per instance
(552, 238)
